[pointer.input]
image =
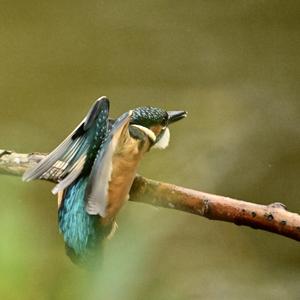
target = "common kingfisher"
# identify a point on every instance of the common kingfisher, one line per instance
(95, 167)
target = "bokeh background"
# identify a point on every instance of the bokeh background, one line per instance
(233, 65)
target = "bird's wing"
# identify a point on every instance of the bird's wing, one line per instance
(97, 187)
(66, 161)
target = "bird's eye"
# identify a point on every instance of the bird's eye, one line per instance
(164, 122)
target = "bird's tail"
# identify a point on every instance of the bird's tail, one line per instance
(83, 234)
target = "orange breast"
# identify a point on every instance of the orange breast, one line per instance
(125, 162)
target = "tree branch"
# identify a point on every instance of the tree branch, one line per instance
(273, 218)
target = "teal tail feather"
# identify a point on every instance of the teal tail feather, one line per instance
(82, 232)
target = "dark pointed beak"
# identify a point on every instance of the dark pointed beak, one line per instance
(175, 116)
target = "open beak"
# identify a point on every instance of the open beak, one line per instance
(175, 116)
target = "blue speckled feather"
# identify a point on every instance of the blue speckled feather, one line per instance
(71, 163)
(75, 155)
(76, 225)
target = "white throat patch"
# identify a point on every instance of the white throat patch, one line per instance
(147, 131)
(164, 140)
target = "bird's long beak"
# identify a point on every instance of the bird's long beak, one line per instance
(175, 116)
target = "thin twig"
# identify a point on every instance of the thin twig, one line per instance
(273, 218)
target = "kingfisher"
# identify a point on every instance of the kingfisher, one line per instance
(95, 167)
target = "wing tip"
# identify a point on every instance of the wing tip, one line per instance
(28, 175)
(55, 190)
(100, 105)
(25, 178)
(103, 99)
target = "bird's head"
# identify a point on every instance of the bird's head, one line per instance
(154, 122)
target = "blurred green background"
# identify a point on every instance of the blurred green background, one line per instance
(233, 65)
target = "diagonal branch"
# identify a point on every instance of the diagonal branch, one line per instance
(273, 218)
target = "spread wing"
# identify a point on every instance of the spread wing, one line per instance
(97, 187)
(66, 162)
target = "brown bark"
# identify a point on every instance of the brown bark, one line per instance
(273, 218)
